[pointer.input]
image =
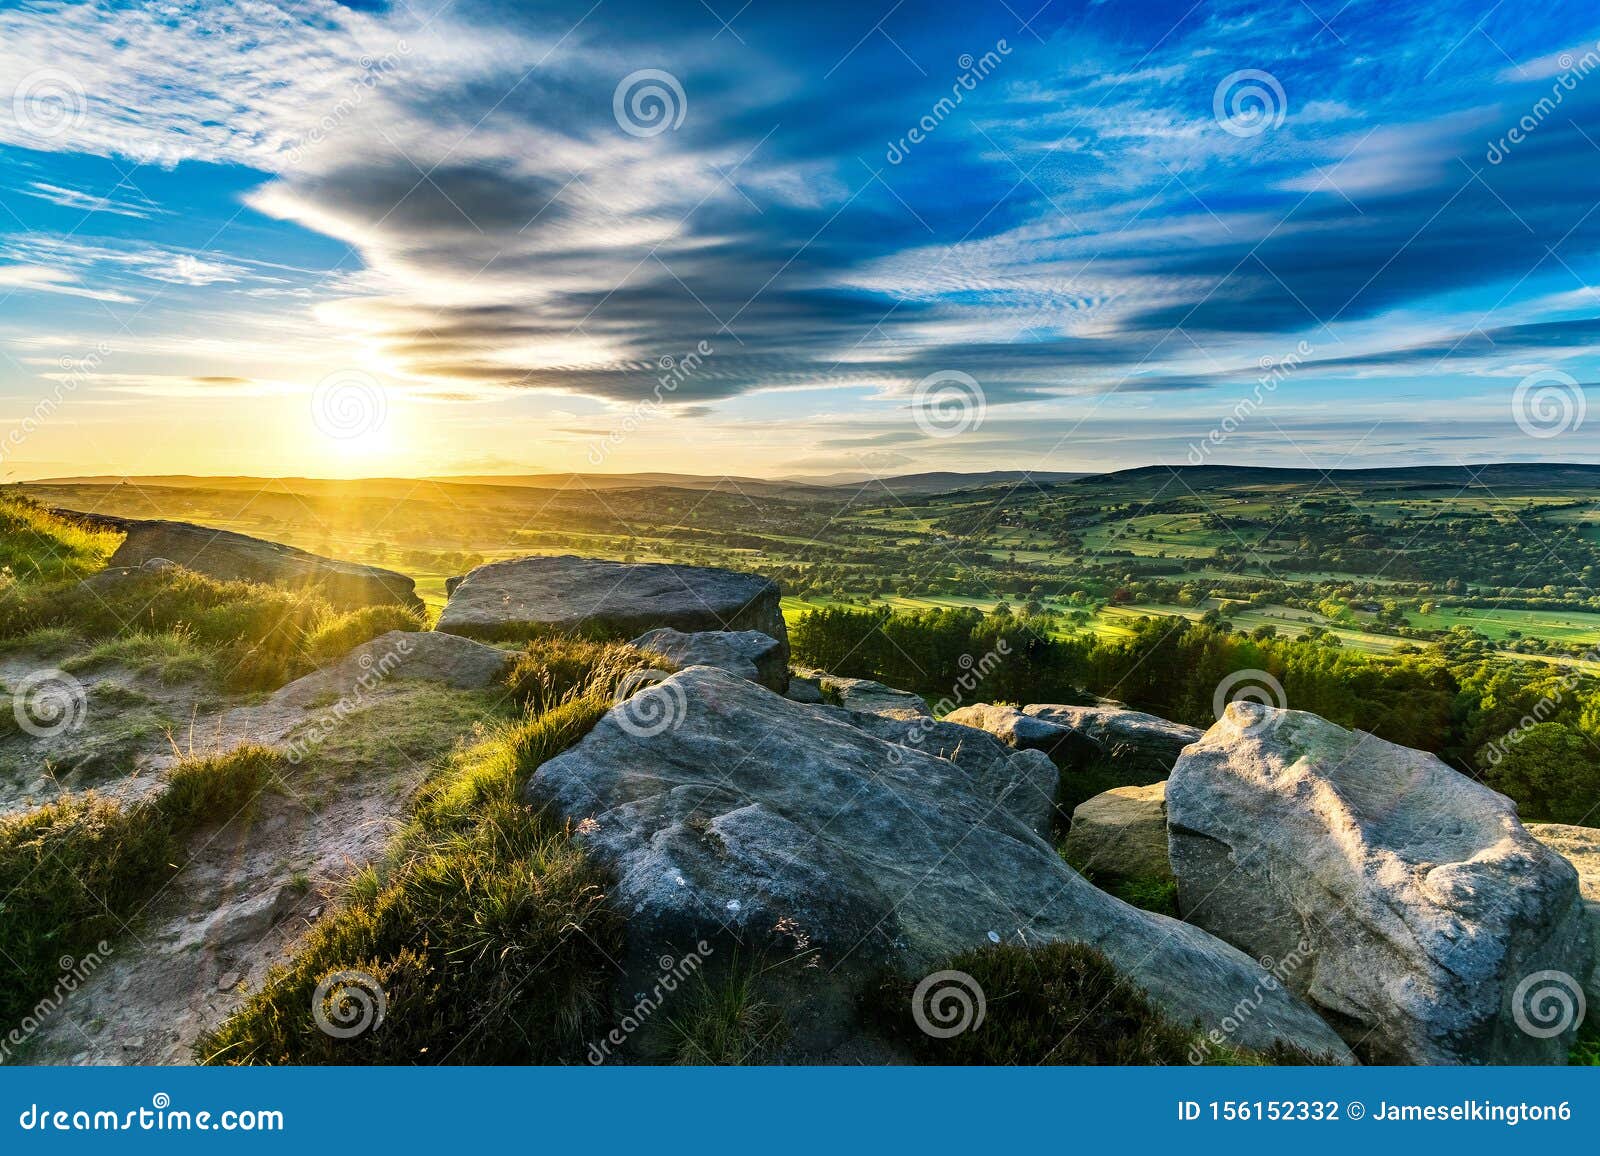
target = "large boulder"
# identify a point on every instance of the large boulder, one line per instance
(761, 826)
(308, 710)
(1069, 748)
(865, 696)
(525, 596)
(746, 653)
(1023, 782)
(1580, 846)
(1121, 834)
(1142, 747)
(1418, 912)
(227, 556)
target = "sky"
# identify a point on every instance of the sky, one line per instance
(725, 237)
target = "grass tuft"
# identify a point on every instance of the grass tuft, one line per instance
(487, 931)
(550, 671)
(1061, 1003)
(76, 871)
(38, 547)
(257, 637)
(724, 1022)
(337, 634)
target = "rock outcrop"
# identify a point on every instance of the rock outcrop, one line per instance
(865, 696)
(1069, 748)
(1023, 782)
(1142, 747)
(1121, 834)
(1411, 903)
(765, 826)
(298, 716)
(230, 557)
(516, 599)
(1580, 846)
(745, 653)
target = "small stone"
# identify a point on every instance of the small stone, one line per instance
(228, 980)
(133, 1043)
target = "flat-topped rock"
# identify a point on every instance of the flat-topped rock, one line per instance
(231, 557)
(870, 697)
(746, 653)
(310, 708)
(760, 825)
(1023, 782)
(517, 599)
(1144, 745)
(1069, 748)
(1121, 834)
(1414, 905)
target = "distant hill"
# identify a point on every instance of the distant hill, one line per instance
(1488, 475)
(941, 481)
(925, 483)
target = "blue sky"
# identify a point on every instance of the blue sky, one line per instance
(443, 237)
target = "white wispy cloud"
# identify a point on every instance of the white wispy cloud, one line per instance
(43, 279)
(88, 202)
